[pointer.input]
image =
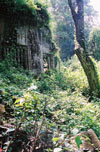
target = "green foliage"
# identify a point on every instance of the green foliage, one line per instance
(63, 28)
(52, 80)
(28, 110)
(75, 75)
(94, 42)
(45, 3)
(20, 5)
(78, 141)
(42, 15)
(13, 80)
(55, 139)
(59, 99)
(35, 12)
(12, 73)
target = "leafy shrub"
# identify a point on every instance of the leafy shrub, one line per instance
(94, 40)
(67, 109)
(11, 72)
(75, 76)
(52, 80)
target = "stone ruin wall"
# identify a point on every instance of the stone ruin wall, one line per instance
(31, 46)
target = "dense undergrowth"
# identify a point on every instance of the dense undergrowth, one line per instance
(46, 107)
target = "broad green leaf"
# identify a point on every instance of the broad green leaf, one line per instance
(17, 101)
(55, 139)
(78, 141)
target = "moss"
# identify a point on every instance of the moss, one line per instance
(22, 9)
(42, 14)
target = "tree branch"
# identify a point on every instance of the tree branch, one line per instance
(74, 14)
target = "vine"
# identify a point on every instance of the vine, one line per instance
(37, 13)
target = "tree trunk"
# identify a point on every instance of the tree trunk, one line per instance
(77, 10)
(89, 70)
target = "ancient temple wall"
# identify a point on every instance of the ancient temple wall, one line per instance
(31, 45)
(22, 35)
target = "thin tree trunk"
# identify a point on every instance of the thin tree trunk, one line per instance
(77, 10)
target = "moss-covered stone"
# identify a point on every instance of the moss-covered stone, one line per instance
(35, 13)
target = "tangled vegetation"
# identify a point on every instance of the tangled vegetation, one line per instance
(94, 42)
(35, 12)
(43, 113)
(41, 110)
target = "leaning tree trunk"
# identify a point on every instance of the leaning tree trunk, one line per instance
(77, 10)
